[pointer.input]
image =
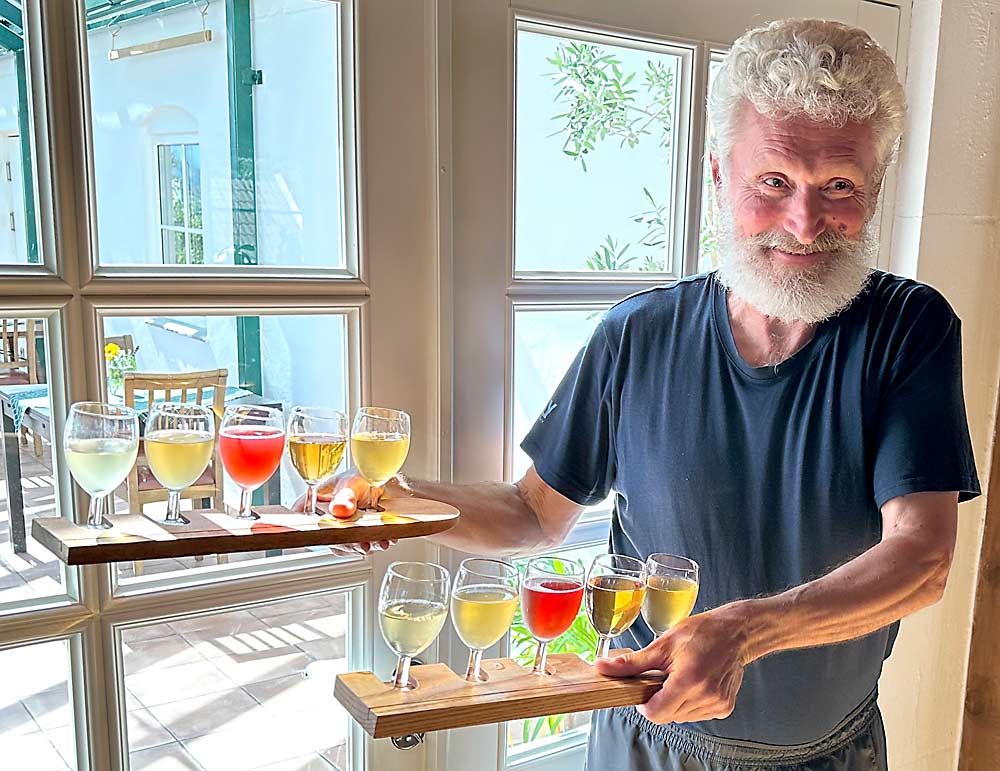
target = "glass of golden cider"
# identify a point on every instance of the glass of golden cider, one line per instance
(380, 440)
(483, 602)
(178, 443)
(671, 591)
(616, 585)
(317, 438)
(412, 607)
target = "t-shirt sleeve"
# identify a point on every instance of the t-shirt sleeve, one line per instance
(922, 441)
(572, 441)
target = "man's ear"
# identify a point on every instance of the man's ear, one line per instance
(716, 171)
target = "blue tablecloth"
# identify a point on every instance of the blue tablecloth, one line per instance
(21, 397)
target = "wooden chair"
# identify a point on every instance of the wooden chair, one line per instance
(122, 341)
(142, 486)
(17, 335)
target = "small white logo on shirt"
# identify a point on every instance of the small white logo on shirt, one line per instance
(548, 410)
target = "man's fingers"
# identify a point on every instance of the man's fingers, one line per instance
(344, 503)
(628, 664)
(664, 705)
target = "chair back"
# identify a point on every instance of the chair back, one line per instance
(17, 350)
(122, 341)
(207, 388)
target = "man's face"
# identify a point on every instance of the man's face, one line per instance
(795, 198)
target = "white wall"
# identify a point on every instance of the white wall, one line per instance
(183, 94)
(946, 233)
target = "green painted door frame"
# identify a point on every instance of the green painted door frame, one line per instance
(24, 143)
(242, 79)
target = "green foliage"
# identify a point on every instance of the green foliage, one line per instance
(599, 101)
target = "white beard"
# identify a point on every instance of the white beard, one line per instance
(810, 293)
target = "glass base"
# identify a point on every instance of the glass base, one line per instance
(104, 524)
(179, 522)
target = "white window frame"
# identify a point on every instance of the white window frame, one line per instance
(182, 141)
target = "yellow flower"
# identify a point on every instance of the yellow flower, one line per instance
(110, 351)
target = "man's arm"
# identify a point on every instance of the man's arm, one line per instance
(707, 653)
(496, 518)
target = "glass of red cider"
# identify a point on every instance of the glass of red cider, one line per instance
(251, 443)
(550, 600)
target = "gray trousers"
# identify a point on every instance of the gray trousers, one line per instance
(623, 740)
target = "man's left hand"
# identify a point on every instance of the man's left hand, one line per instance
(704, 658)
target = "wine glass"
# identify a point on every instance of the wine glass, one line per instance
(483, 603)
(616, 585)
(550, 599)
(251, 441)
(317, 438)
(101, 442)
(671, 591)
(412, 607)
(380, 440)
(178, 442)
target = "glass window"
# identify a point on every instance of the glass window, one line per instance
(529, 735)
(596, 153)
(546, 340)
(245, 154)
(274, 360)
(36, 717)
(708, 240)
(28, 571)
(228, 690)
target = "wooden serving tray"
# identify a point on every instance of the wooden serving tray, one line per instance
(136, 537)
(443, 699)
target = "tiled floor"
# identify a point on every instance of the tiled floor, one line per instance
(219, 693)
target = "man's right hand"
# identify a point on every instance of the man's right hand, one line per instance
(341, 495)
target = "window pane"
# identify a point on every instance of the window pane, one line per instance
(708, 242)
(261, 189)
(545, 344)
(36, 718)
(524, 736)
(171, 185)
(28, 490)
(595, 127)
(227, 690)
(18, 230)
(271, 360)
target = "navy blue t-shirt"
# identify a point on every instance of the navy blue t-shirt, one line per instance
(768, 477)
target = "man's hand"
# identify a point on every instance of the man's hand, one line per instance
(341, 496)
(704, 659)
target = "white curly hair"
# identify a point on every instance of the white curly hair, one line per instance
(822, 70)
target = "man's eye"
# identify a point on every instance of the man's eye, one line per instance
(841, 185)
(775, 182)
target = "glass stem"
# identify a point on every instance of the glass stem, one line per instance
(603, 646)
(95, 517)
(402, 676)
(310, 507)
(374, 493)
(244, 512)
(173, 507)
(475, 664)
(541, 656)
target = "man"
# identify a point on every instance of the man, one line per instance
(793, 422)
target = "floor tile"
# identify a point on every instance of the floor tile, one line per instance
(149, 632)
(145, 731)
(307, 763)
(166, 757)
(50, 708)
(33, 752)
(160, 686)
(219, 624)
(15, 720)
(159, 652)
(241, 751)
(290, 694)
(244, 670)
(327, 648)
(64, 740)
(227, 710)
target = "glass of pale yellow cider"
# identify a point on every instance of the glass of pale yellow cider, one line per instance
(483, 602)
(380, 441)
(178, 444)
(616, 586)
(317, 438)
(412, 607)
(671, 591)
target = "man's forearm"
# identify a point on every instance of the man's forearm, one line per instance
(496, 519)
(893, 579)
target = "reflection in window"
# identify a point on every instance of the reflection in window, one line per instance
(595, 154)
(181, 231)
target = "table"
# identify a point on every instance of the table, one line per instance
(33, 412)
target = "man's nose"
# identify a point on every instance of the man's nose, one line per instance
(805, 217)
